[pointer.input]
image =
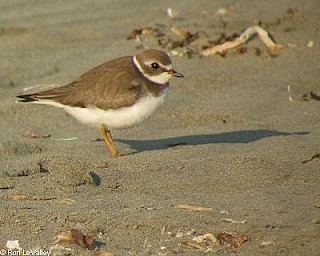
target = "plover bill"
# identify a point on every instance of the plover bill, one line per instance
(117, 94)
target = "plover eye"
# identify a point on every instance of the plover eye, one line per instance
(155, 65)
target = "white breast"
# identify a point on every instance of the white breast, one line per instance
(118, 118)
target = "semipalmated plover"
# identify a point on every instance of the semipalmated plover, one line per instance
(117, 94)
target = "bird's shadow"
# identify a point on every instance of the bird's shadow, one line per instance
(235, 137)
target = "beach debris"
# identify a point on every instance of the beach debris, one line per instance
(179, 234)
(40, 198)
(66, 201)
(208, 237)
(218, 46)
(181, 33)
(222, 11)
(6, 186)
(104, 165)
(267, 243)
(137, 34)
(203, 242)
(230, 240)
(30, 198)
(186, 37)
(31, 134)
(13, 245)
(242, 39)
(310, 159)
(92, 178)
(312, 95)
(171, 13)
(194, 246)
(289, 92)
(310, 44)
(194, 208)
(208, 242)
(224, 212)
(140, 32)
(77, 237)
(306, 96)
(66, 139)
(193, 41)
(234, 221)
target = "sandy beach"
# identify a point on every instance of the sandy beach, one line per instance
(230, 165)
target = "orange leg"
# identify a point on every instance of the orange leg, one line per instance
(106, 134)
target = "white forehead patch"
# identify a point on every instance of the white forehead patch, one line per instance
(162, 78)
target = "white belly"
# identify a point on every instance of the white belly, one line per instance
(118, 118)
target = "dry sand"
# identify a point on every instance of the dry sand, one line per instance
(227, 138)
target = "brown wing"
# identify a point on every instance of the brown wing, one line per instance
(110, 85)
